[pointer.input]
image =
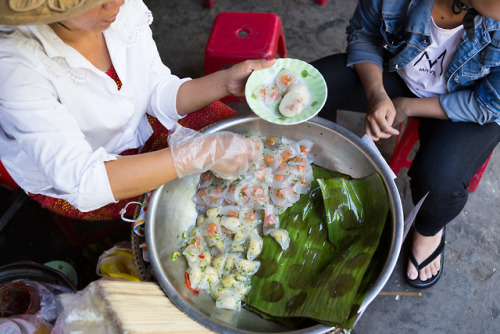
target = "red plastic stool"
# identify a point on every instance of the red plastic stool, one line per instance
(404, 145)
(321, 2)
(238, 36)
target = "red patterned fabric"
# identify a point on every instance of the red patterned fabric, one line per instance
(215, 112)
(112, 73)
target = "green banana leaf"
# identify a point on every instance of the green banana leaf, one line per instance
(319, 275)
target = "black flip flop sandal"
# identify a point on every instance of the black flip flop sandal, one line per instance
(417, 283)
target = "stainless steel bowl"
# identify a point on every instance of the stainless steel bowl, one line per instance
(171, 211)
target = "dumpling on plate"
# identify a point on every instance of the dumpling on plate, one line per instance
(285, 79)
(294, 100)
(269, 94)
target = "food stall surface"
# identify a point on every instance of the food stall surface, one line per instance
(466, 299)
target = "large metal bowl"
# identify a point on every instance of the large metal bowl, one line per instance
(171, 211)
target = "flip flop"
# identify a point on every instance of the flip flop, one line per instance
(417, 283)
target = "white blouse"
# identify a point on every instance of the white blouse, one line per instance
(61, 118)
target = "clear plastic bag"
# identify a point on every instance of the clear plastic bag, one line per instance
(24, 323)
(118, 262)
(25, 296)
(83, 312)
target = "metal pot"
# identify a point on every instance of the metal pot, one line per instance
(171, 211)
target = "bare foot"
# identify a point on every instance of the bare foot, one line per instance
(422, 247)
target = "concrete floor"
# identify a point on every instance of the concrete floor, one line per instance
(467, 298)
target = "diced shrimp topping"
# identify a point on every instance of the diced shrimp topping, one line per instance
(211, 229)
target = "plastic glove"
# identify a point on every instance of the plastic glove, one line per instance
(226, 154)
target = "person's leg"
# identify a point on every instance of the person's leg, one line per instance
(450, 154)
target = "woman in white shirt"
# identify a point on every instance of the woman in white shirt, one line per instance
(64, 120)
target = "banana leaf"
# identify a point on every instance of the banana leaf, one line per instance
(316, 278)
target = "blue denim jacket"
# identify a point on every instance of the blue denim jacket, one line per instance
(390, 33)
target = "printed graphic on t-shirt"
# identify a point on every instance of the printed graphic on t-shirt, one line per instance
(439, 61)
(425, 75)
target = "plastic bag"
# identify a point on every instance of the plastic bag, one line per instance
(118, 262)
(24, 323)
(83, 312)
(25, 296)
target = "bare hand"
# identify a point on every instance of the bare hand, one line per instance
(380, 118)
(237, 75)
(401, 112)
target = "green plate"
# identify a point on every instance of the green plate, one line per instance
(305, 73)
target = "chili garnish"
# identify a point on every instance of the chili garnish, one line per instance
(188, 284)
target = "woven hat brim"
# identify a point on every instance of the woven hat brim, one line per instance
(42, 14)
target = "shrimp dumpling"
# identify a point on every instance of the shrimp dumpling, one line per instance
(269, 94)
(285, 79)
(291, 105)
(300, 88)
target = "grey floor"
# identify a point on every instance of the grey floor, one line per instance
(467, 299)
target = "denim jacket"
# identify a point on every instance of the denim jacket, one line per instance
(390, 33)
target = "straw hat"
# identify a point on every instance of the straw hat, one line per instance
(30, 12)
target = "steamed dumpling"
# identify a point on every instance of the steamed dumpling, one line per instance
(294, 100)
(269, 94)
(285, 79)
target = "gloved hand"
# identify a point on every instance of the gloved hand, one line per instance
(226, 154)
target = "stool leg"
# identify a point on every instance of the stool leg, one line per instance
(209, 4)
(321, 2)
(477, 177)
(404, 143)
(282, 47)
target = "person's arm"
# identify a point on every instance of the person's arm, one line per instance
(224, 153)
(381, 112)
(429, 107)
(132, 175)
(198, 93)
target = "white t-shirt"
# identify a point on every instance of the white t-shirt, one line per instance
(424, 75)
(61, 118)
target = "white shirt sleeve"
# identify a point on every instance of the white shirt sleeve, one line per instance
(43, 132)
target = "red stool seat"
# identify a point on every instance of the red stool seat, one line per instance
(238, 36)
(404, 144)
